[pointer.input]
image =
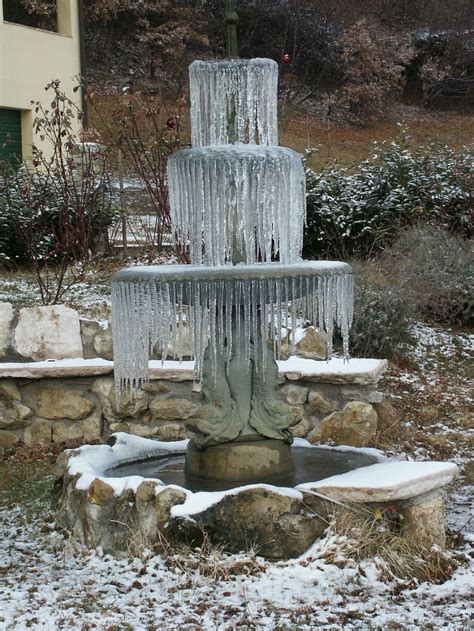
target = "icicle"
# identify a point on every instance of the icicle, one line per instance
(234, 100)
(151, 313)
(246, 197)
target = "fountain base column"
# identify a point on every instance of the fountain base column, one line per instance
(241, 461)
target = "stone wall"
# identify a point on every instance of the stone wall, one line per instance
(73, 410)
(79, 410)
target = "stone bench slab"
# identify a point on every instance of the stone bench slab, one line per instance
(386, 482)
(356, 371)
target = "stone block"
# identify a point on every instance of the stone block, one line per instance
(321, 404)
(312, 344)
(92, 428)
(130, 404)
(48, 333)
(301, 427)
(9, 390)
(8, 439)
(156, 387)
(424, 522)
(294, 394)
(13, 414)
(172, 408)
(6, 321)
(103, 344)
(170, 431)
(66, 431)
(57, 402)
(139, 429)
(354, 425)
(100, 492)
(89, 329)
(38, 432)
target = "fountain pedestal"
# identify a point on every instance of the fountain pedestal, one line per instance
(265, 460)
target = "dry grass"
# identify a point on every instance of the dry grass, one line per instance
(350, 145)
(208, 559)
(376, 537)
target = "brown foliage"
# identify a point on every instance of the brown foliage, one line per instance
(375, 60)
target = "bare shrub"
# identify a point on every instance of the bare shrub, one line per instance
(145, 131)
(57, 207)
(375, 61)
(381, 316)
(434, 271)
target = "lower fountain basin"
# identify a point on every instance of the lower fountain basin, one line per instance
(133, 495)
(311, 464)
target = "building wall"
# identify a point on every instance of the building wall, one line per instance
(30, 58)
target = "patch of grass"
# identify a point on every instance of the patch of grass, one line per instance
(26, 484)
(367, 537)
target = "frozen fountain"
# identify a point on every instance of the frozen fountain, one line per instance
(238, 206)
(237, 203)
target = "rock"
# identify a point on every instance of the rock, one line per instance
(9, 391)
(130, 405)
(146, 492)
(313, 344)
(171, 409)
(368, 394)
(279, 525)
(119, 427)
(48, 333)
(100, 492)
(39, 432)
(354, 425)
(145, 431)
(57, 402)
(424, 522)
(89, 329)
(92, 428)
(294, 394)
(156, 387)
(170, 431)
(6, 320)
(103, 344)
(67, 431)
(8, 439)
(300, 429)
(13, 414)
(321, 404)
(187, 346)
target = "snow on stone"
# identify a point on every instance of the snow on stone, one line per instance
(202, 500)
(386, 481)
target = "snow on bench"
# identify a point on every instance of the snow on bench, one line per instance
(358, 371)
(386, 481)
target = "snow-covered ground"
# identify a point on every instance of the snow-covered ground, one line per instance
(49, 583)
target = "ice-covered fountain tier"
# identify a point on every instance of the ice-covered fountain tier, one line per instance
(238, 203)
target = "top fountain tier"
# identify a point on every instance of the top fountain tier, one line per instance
(234, 101)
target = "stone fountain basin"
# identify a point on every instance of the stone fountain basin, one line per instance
(126, 496)
(231, 274)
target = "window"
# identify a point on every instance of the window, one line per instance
(35, 13)
(10, 136)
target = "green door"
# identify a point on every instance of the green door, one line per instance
(10, 136)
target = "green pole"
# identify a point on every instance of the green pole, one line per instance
(231, 19)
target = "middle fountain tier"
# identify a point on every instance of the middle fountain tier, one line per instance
(237, 205)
